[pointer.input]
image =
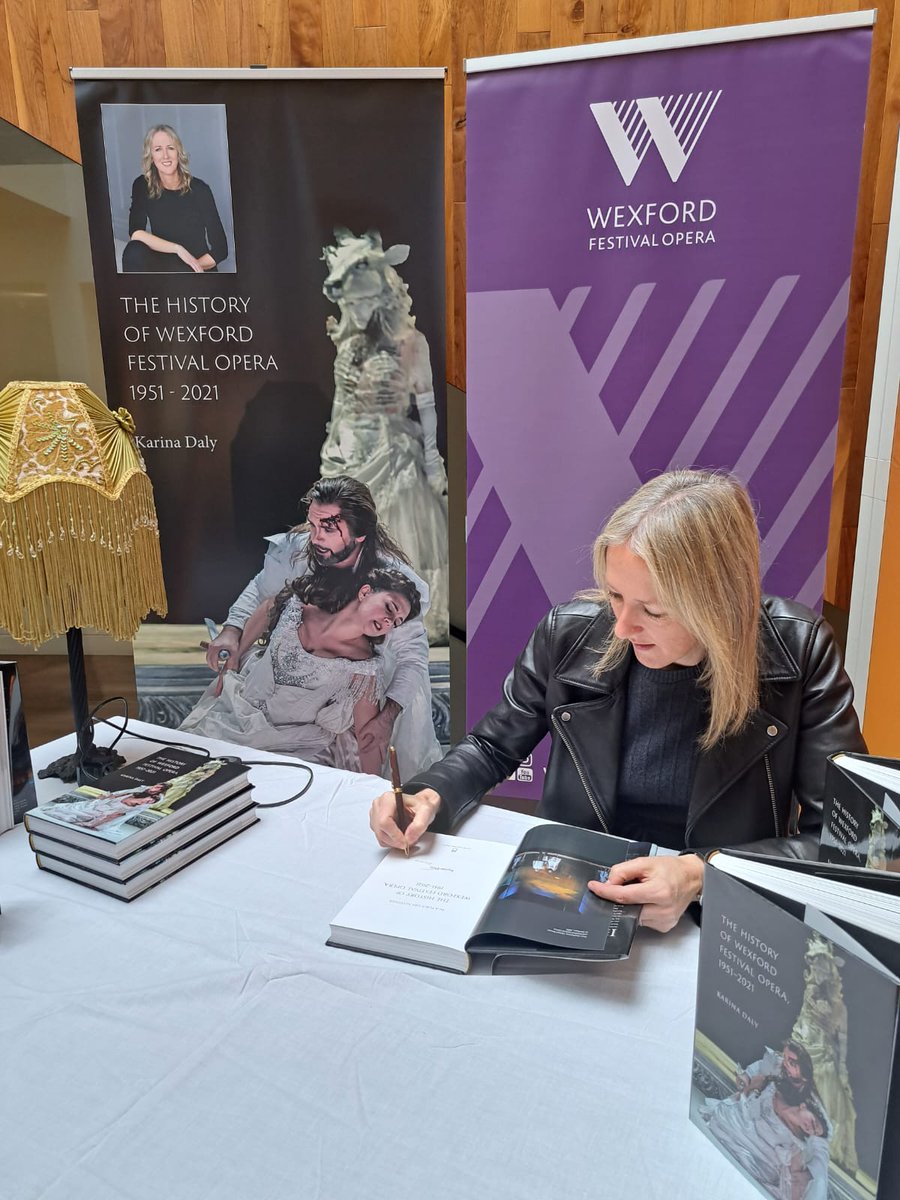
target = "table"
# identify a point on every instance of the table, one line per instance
(203, 1042)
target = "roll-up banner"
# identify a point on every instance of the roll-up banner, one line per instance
(245, 375)
(659, 246)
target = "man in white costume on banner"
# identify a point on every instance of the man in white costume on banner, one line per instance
(341, 541)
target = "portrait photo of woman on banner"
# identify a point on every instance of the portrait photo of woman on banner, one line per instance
(173, 220)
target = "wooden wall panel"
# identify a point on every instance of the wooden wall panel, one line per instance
(273, 33)
(402, 29)
(179, 36)
(40, 38)
(9, 105)
(53, 35)
(116, 35)
(434, 33)
(210, 32)
(600, 16)
(500, 29)
(369, 12)
(533, 16)
(148, 33)
(881, 728)
(85, 37)
(29, 83)
(307, 48)
(337, 34)
(890, 116)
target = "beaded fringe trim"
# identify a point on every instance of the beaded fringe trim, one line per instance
(69, 557)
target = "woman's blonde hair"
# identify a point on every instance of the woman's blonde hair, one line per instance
(148, 167)
(697, 533)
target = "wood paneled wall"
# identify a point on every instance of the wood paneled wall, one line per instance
(40, 39)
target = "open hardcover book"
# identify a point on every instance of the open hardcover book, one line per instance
(457, 897)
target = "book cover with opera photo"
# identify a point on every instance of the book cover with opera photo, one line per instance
(794, 1048)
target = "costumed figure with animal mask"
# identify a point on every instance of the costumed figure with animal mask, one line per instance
(383, 427)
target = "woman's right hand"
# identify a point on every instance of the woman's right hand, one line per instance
(421, 809)
(187, 257)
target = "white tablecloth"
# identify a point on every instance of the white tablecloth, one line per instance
(203, 1043)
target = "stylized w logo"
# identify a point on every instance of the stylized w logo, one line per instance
(674, 123)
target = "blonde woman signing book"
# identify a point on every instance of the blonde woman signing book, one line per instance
(683, 707)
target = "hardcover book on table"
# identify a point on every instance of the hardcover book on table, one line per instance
(154, 873)
(861, 817)
(456, 897)
(139, 803)
(795, 1074)
(138, 860)
(17, 793)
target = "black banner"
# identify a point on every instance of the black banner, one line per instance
(211, 304)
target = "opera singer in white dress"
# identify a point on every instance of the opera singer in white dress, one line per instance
(310, 681)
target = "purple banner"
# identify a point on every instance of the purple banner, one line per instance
(659, 254)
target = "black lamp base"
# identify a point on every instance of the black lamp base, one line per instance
(99, 761)
(88, 763)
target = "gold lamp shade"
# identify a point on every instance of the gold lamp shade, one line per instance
(79, 539)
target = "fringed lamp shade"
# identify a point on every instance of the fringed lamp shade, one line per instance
(79, 540)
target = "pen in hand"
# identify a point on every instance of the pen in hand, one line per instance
(400, 815)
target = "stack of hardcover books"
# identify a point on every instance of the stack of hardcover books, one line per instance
(144, 822)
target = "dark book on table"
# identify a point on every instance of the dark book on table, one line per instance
(161, 847)
(795, 1075)
(17, 794)
(154, 873)
(861, 813)
(139, 803)
(456, 898)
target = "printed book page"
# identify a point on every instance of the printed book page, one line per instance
(836, 933)
(888, 777)
(543, 897)
(433, 897)
(873, 910)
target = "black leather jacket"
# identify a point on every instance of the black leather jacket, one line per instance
(751, 790)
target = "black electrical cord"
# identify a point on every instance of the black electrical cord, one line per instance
(296, 796)
(122, 730)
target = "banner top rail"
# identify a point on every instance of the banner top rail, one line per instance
(256, 73)
(672, 41)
